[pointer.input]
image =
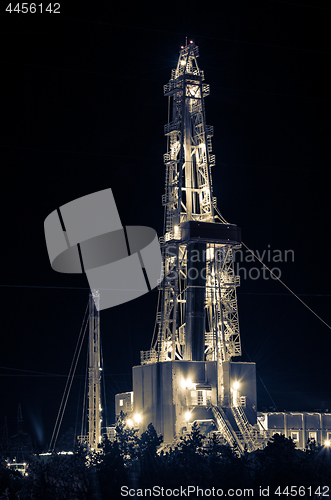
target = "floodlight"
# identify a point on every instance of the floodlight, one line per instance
(137, 418)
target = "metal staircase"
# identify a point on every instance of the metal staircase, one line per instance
(227, 430)
(247, 438)
(244, 427)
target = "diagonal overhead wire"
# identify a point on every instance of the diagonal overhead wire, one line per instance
(68, 385)
(276, 277)
(287, 288)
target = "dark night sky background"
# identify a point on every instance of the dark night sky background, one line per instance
(83, 110)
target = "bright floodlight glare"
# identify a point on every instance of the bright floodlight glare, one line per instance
(137, 418)
(327, 442)
(187, 384)
(129, 422)
(187, 416)
(236, 385)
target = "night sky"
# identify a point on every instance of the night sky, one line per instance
(83, 110)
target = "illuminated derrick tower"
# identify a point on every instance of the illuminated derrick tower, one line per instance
(188, 374)
(198, 318)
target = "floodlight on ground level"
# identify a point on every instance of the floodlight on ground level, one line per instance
(236, 386)
(327, 443)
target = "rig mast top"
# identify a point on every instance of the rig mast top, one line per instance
(188, 159)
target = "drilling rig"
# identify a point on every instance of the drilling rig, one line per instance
(92, 436)
(189, 375)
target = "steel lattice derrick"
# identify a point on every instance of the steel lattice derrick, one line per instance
(207, 303)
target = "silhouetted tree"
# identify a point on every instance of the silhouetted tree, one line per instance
(136, 462)
(61, 477)
(278, 464)
(111, 471)
(149, 460)
(127, 439)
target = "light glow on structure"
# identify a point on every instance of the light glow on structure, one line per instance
(58, 453)
(327, 443)
(17, 466)
(188, 384)
(137, 418)
(234, 390)
(129, 422)
(188, 416)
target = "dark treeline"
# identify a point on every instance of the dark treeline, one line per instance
(134, 464)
